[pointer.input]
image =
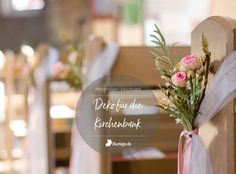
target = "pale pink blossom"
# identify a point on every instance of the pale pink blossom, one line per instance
(191, 62)
(179, 79)
(57, 68)
(26, 70)
(166, 102)
(60, 70)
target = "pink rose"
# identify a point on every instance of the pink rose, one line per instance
(191, 62)
(179, 79)
(60, 70)
(57, 68)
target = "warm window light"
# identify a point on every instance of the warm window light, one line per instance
(4, 167)
(17, 153)
(2, 60)
(21, 5)
(21, 132)
(27, 50)
(61, 111)
(3, 154)
(18, 128)
(17, 124)
(2, 102)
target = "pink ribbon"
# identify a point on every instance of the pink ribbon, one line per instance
(184, 154)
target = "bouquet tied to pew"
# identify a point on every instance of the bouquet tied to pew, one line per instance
(69, 67)
(185, 81)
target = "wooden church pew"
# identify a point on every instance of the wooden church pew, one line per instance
(137, 62)
(219, 133)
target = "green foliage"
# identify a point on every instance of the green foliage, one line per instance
(184, 101)
(162, 53)
(74, 75)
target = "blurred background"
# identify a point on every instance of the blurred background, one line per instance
(126, 22)
(28, 27)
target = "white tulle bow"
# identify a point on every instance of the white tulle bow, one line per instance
(220, 91)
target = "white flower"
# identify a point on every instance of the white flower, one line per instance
(178, 120)
(188, 85)
(73, 57)
(164, 77)
(201, 70)
(167, 84)
(164, 99)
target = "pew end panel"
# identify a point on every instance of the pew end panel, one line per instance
(218, 134)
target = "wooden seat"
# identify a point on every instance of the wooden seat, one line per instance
(137, 62)
(148, 166)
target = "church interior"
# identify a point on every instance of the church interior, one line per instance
(51, 51)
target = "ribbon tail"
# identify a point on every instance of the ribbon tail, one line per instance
(187, 156)
(180, 154)
(184, 157)
(195, 158)
(200, 161)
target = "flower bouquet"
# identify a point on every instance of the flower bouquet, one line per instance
(70, 68)
(185, 81)
(184, 89)
(25, 66)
